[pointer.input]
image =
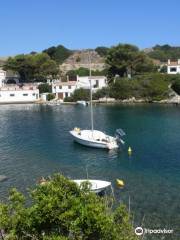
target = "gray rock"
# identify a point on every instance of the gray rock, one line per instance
(3, 178)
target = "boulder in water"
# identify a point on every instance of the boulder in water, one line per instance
(3, 178)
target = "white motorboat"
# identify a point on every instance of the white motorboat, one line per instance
(82, 102)
(96, 186)
(95, 138)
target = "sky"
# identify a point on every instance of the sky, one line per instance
(34, 25)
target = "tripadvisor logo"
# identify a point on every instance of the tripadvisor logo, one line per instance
(140, 231)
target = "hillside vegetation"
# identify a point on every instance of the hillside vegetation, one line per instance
(164, 52)
(130, 71)
(59, 53)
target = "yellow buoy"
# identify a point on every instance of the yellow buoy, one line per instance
(120, 183)
(129, 151)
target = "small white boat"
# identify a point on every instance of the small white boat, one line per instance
(94, 138)
(82, 102)
(96, 186)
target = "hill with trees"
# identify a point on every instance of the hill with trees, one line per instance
(164, 52)
(131, 72)
(127, 60)
(59, 53)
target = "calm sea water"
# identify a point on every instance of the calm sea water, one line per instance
(35, 141)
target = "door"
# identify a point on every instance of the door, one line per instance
(60, 95)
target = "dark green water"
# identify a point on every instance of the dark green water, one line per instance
(35, 141)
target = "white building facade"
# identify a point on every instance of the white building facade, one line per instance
(97, 82)
(19, 94)
(173, 67)
(63, 89)
(2, 77)
(66, 89)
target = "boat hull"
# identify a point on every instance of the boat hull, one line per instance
(96, 186)
(95, 139)
(88, 143)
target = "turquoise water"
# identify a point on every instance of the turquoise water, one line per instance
(35, 141)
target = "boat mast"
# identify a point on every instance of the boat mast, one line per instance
(92, 120)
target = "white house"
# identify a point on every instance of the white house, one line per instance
(12, 93)
(63, 89)
(17, 93)
(66, 89)
(97, 82)
(2, 77)
(173, 67)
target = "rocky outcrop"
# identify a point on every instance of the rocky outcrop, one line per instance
(81, 59)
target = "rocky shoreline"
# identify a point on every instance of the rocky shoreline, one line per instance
(173, 99)
(133, 100)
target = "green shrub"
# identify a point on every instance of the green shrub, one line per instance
(101, 93)
(121, 89)
(45, 88)
(50, 96)
(176, 87)
(81, 94)
(68, 99)
(153, 86)
(60, 210)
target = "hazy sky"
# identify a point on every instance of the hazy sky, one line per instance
(33, 25)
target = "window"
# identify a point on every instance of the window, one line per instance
(173, 69)
(60, 87)
(34, 94)
(66, 94)
(69, 87)
(97, 84)
(12, 95)
(25, 94)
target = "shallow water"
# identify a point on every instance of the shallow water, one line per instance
(35, 141)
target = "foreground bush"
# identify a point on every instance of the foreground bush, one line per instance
(59, 210)
(176, 86)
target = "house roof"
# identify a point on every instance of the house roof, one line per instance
(173, 62)
(92, 77)
(15, 87)
(69, 83)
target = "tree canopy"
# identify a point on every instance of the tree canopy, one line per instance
(85, 72)
(165, 52)
(45, 88)
(126, 59)
(59, 209)
(149, 87)
(59, 53)
(102, 51)
(33, 67)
